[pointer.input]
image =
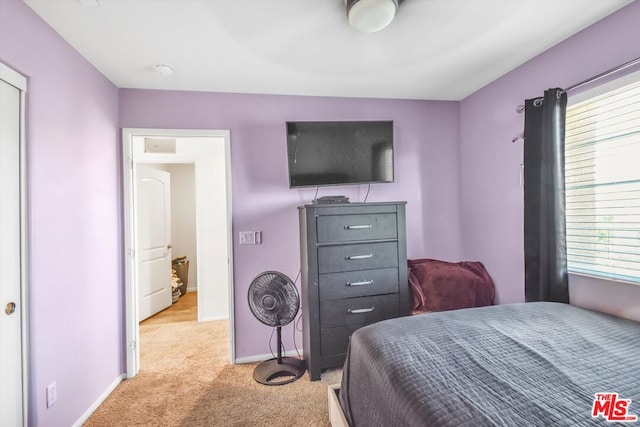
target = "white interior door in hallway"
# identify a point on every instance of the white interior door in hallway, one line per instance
(208, 152)
(153, 226)
(13, 345)
(183, 219)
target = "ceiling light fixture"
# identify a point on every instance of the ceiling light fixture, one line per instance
(163, 69)
(370, 16)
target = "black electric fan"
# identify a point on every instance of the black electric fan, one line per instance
(274, 301)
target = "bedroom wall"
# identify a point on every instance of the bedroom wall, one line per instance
(492, 197)
(426, 166)
(75, 271)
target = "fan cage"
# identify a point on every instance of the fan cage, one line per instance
(273, 298)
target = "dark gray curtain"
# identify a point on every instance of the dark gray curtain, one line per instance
(545, 247)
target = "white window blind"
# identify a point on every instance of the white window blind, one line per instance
(602, 176)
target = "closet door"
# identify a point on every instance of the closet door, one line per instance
(12, 345)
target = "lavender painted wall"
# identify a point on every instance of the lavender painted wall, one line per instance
(491, 194)
(75, 283)
(426, 162)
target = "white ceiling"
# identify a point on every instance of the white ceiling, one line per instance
(434, 49)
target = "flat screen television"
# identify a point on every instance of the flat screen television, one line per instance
(339, 153)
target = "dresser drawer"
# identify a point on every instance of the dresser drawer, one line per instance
(346, 228)
(352, 284)
(336, 340)
(358, 311)
(362, 256)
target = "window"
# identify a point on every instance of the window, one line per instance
(602, 176)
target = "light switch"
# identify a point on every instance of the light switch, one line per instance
(251, 237)
(247, 238)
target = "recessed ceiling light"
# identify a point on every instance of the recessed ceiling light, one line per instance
(91, 3)
(163, 69)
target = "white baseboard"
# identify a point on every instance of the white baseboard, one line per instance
(262, 357)
(212, 318)
(83, 419)
(192, 289)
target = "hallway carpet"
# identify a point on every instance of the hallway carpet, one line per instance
(186, 380)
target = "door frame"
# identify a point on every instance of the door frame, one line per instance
(19, 81)
(131, 287)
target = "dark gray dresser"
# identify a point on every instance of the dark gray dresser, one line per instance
(354, 273)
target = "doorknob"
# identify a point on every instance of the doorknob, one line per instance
(10, 308)
(169, 246)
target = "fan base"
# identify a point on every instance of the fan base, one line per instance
(270, 372)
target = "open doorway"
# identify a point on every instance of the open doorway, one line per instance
(199, 163)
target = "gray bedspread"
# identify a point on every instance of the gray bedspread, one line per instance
(533, 364)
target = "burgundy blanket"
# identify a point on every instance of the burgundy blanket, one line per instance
(439, 285)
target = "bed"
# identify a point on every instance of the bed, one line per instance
(507, 365)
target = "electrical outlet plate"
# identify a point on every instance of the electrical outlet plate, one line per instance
(52, 394)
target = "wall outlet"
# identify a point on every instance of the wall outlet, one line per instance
(52, 394)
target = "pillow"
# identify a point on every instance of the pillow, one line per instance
(439, 285)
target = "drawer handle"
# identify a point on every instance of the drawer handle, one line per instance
(360, 310)
(356, 257)
(358, 227)
(362, 283)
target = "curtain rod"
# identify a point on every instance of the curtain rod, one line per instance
(592, 79)
(605, 74)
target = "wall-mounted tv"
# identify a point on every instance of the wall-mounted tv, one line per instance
(339, 153)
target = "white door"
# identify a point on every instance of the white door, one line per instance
(11, 304)
(153, 225)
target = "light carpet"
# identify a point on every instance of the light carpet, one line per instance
(186, 380)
